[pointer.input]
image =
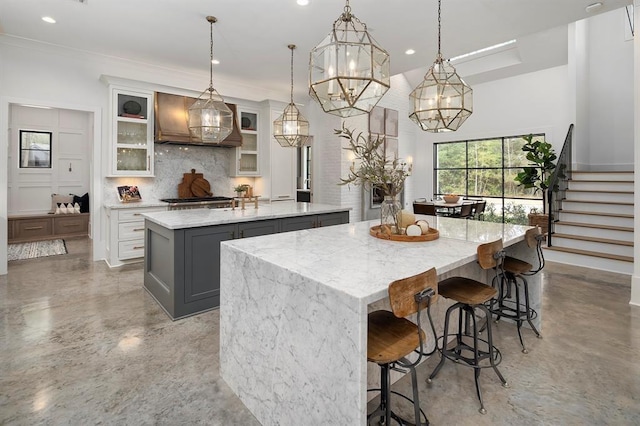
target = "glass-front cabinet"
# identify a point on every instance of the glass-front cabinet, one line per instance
(246, 158)
(132, 132)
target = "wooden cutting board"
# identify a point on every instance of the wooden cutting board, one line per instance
(184, 188)
(200, 187)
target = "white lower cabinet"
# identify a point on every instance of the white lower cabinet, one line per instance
(126, 234)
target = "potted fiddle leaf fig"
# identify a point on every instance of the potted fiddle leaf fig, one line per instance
(537, 175)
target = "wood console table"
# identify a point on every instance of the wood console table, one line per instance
(41, 227)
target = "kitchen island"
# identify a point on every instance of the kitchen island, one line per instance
(182, 247)
(293, 318)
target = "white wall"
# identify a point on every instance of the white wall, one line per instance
(30, 189)
(610, 92)
(530, 103)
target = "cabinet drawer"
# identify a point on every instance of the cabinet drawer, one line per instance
(71, 224)
(131, 230)
(33, 228)
(127, 215)
(131, 249)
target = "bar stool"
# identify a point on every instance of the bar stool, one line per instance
(471, 295)
(391, 337)
(515, 271)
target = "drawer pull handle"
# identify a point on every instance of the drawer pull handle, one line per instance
(32, 228)
(138, 229)
(138, 247)
(284, 196)
(137, 214)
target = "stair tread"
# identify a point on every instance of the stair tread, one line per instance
(600, 181)
(591, 225)
(602, 171)
(626, 216)
(599, 191)
(592, 253)
(617, 203)
(593, 239)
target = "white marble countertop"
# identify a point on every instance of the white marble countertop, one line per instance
(135, 204)
(328, 255)
(194, 218)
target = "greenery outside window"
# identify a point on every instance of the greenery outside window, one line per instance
(35, 149)
(486, 168)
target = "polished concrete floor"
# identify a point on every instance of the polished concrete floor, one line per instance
(82, 344)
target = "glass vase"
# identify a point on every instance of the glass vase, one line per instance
(389, 211)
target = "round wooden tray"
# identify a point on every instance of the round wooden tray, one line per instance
(433, 234)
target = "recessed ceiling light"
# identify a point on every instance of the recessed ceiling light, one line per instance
(302, 2)
(409, 52)
(49, 19)
(215, 62)
(593, 7)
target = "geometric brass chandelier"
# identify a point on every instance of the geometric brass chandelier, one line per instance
(210, 119)
(348, 71)
(443, 101)
(291, 129)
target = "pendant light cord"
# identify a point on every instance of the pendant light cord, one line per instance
(292, 46)
(439, 24)
(211, 58)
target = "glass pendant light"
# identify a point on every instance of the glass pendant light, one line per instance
(348, 71)
(210, 119)
(291, 129)
(443, 101)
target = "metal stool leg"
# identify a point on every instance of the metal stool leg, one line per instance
(518, 312)
(492, 352)
(445, 338)
(526, 301)
(476, 357)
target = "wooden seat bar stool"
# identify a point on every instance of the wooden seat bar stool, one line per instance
(391, 337)
(515, 270)
(471, 296)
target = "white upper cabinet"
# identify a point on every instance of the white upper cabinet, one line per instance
(131, 132)
(245, 160)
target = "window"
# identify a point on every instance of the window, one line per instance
(486, 168)
(35, 149)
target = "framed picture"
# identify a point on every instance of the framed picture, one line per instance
(391, 122)
(376, 121)
(128, 193)
(390, 149)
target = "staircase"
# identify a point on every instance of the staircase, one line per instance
(595, 223)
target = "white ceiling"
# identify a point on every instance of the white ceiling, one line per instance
(251, 36)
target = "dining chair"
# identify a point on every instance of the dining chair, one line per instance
(424, 208)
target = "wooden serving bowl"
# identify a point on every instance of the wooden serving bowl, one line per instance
(450, 199)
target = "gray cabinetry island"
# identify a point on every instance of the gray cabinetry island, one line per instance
(182, 247)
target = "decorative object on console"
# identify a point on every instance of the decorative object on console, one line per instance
(57, 199)
(210, 119)
(349, 72)
(374, 170)
(443, 101)
(291, 129)
(128, 193)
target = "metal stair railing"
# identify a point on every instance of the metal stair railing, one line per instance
(559, 183)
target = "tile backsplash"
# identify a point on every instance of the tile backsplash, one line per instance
(171, 162)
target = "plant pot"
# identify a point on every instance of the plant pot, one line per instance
(541, 220)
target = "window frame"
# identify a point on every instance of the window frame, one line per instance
(466, 170)
(22, 151)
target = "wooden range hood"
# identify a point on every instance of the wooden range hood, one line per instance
(172, 127)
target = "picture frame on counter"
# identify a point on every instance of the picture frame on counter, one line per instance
(129, 193)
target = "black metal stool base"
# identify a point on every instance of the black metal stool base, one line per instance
(514, 310)
(383, 413)
(482, 357)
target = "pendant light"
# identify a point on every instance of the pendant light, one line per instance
(210, 119)
(291, 129)
(443, 101)
(348, 71)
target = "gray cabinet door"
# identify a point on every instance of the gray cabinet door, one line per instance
(255, 229)
(297, 223)
(202, 262)
(329, 219)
